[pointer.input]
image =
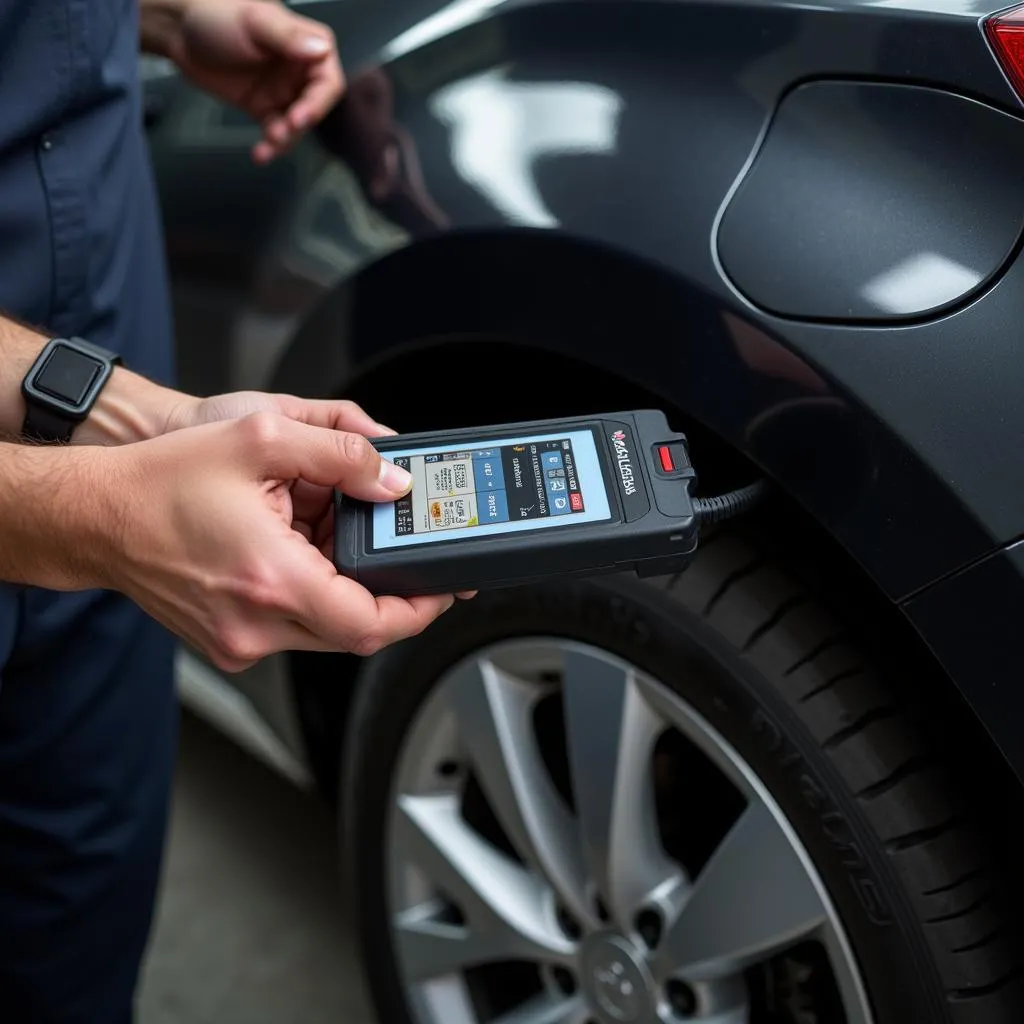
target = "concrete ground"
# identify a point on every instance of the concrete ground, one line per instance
(250, 926)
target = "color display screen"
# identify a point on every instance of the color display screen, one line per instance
(498, 486)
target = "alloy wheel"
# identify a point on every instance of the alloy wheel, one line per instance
(570, 842)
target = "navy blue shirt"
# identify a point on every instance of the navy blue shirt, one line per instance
(81, 250)
(87, 708)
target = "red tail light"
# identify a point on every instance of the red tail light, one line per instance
(1005, 33)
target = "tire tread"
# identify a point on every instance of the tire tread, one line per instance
(911, 766)
(902, 788)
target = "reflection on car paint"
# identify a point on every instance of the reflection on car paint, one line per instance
(501, 129)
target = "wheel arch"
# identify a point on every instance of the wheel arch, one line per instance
(437, 332)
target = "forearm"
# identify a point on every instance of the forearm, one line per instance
(129, 408)
(57, 519)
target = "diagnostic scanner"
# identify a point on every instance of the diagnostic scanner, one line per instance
(517, 503)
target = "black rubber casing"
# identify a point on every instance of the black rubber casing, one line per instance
(653, 530)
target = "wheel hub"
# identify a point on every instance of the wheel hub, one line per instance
(616, 983)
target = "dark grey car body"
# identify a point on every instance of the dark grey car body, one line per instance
(795, 227)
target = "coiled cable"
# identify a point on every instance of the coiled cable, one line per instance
(730, 504)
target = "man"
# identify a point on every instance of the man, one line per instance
(212, 515)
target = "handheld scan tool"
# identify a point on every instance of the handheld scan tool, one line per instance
(519, 502)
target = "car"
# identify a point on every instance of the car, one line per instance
(783, 785)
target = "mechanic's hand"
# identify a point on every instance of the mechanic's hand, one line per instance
(332, 414)
(225, 539)
(278, 66)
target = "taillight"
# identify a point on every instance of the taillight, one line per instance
(1005, 33)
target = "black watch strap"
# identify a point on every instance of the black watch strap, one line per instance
(62, 386)
(43, 425)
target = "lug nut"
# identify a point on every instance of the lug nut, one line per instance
(567, 923)
(446, 769)
(648, 927)
(681, 998)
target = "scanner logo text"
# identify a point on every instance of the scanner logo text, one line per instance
(625, 461)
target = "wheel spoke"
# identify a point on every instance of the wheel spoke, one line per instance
(545, 1010)
(502, 904)
(495, 716)
(434, 949)
(611, 731)
(753, 898)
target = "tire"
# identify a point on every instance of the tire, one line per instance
(762, 661)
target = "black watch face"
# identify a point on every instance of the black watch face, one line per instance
(68, 376)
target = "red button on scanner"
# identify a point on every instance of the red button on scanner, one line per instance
(666, 458)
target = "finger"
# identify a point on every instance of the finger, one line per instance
(335, 414)
(316, 608)
(298, 636)
(310, 502)
(399, 618)
(284, 33)
(277, 140)
(277, 131)
(346, 616)
(264, 151)
(323, 536)
(275, 90)
(324, 87)
(341, 614)
(278, 90)
(285, 449)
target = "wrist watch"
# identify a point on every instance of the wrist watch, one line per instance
(61, 387)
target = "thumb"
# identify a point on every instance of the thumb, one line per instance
(275, 28)
(285, 449)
